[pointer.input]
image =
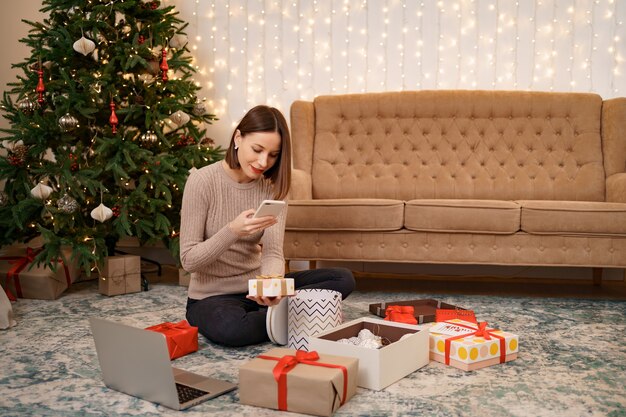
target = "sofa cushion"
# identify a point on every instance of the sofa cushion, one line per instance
(495, 145)
(462, 216)
(573, 217)
(345, 214)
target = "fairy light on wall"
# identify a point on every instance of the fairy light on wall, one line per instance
(278, 51)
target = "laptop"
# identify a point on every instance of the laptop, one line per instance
(136, 362)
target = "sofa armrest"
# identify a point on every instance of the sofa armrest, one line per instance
(616, 188)
(614, 135)
(301, 185)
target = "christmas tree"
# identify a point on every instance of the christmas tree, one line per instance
(105, 124)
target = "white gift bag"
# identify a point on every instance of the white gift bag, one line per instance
(311, 312)
(6, 311)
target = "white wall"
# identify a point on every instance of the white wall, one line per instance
(277, 51)
(11, 30)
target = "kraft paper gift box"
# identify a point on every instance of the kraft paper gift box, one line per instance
(182, 338)
(184, 277)
(469, 346)
(120, 275)
(23, 279)
(378, 368)
(268, 286)
(303, 384)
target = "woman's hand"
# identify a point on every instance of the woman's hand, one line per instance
(246, 225)
(265, 301)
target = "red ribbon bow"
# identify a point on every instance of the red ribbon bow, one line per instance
(288, 362)
(401, 314)
(481, 331)
(181, 325)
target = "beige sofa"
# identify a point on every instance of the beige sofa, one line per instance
(459, 177)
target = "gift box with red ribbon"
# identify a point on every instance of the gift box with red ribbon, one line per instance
(471, 346)
(120, 275)
(298, 381)
(182, 338)
(21, 277)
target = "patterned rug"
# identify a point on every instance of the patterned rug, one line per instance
(572, 360)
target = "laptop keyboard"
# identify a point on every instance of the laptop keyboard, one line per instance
(186, 393)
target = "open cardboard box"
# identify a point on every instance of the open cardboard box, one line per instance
(424, 309)
(378, 368)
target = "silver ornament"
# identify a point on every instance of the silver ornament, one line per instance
(4, 199)
(67, 204)
(149, 137)
(68, 122)
(27, 106)
(199, 109)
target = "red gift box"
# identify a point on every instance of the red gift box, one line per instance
(182, 338)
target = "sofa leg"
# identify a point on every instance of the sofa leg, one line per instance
(286, 265)
(597, 276)
(312, 264)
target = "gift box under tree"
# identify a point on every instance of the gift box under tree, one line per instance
(23, 278)
(120, 275)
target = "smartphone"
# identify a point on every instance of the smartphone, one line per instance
(269, 208)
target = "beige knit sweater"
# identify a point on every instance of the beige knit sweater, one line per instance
(220, 261)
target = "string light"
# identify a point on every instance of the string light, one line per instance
(278, 51)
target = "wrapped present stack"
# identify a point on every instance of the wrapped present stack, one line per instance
(120, 275)
(271, 286)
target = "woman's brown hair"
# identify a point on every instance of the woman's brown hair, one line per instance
(266, 119)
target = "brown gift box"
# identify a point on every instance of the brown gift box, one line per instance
(38, 282)
(120, 275)
(184, 277)
(311, 389)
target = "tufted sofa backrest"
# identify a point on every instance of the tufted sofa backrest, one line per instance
(452, 144)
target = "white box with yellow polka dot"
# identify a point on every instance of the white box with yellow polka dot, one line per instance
(472, 346)
(271, 287)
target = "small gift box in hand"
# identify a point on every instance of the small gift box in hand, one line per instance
(182, 338)
(271, 286)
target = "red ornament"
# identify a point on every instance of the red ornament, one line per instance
(40, 87)
(113, 118)
(164, 67)
(15, 161)
(141, 39)
(154, 5)
(74, 162)
(116, 210)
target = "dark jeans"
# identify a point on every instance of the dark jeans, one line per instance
(233, 320)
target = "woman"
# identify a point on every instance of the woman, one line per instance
(223, 246)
